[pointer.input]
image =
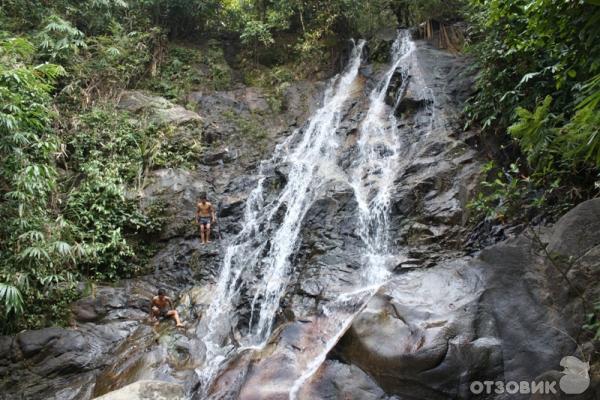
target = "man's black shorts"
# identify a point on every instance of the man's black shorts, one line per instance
(204, 220)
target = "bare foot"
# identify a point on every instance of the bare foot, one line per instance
(180, 325)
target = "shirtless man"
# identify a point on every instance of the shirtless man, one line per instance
(162, 306)
(205, 214)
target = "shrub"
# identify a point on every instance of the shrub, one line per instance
(539, 87)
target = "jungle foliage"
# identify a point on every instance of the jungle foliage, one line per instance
(64, 209)
(538, 90)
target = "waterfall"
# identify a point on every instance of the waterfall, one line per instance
(372, 179)
(256, 262)
(262, 249)
(378, 162)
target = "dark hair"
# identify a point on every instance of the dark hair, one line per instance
(203, 196)
(161, 292)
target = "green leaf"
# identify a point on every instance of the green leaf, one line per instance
(13, 300)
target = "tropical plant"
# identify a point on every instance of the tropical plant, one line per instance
(59, 40)
(539, 88)
(36, 250)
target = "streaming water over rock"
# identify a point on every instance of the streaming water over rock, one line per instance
(377, 164)
(313, 163)
(372, 176)
(257, 261)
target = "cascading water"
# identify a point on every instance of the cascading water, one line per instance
(378, 163)
(256, 263)
(372, 179)
(262, 249)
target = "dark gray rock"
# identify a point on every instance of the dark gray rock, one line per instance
(32, 342)
(217, 157)
(301, 98)
(513, 319)
(417, 337)
(208, 102)
(342, 381)
(577, 231)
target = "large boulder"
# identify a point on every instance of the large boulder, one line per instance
(577, 231)
(337, 380)
(509, 314)
(108, 345)
(56, 363)
(161, 110)
(418, 335)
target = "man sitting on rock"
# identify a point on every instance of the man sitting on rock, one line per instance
(205, 214)
(162, 307)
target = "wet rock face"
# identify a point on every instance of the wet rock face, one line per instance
(437, 174)
(507, 314)
(59, 356)
(330, 254)
(418, 335)
(337, 380)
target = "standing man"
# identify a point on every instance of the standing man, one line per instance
(205, 214)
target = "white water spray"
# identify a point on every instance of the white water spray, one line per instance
(378, 164)
(257, 260)
(372, 180)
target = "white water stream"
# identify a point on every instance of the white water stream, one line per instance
(372, 179)
(378, 164)
(261, 252)
(257, 261)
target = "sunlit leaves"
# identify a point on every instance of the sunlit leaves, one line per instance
(528, 49)
(535, 132)
(34, 253)
(539, 63)
(581, 136)
(34, 240)
(59, 39)
(11, 298)
(256, 32)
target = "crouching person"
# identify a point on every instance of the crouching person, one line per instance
(162, 307)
